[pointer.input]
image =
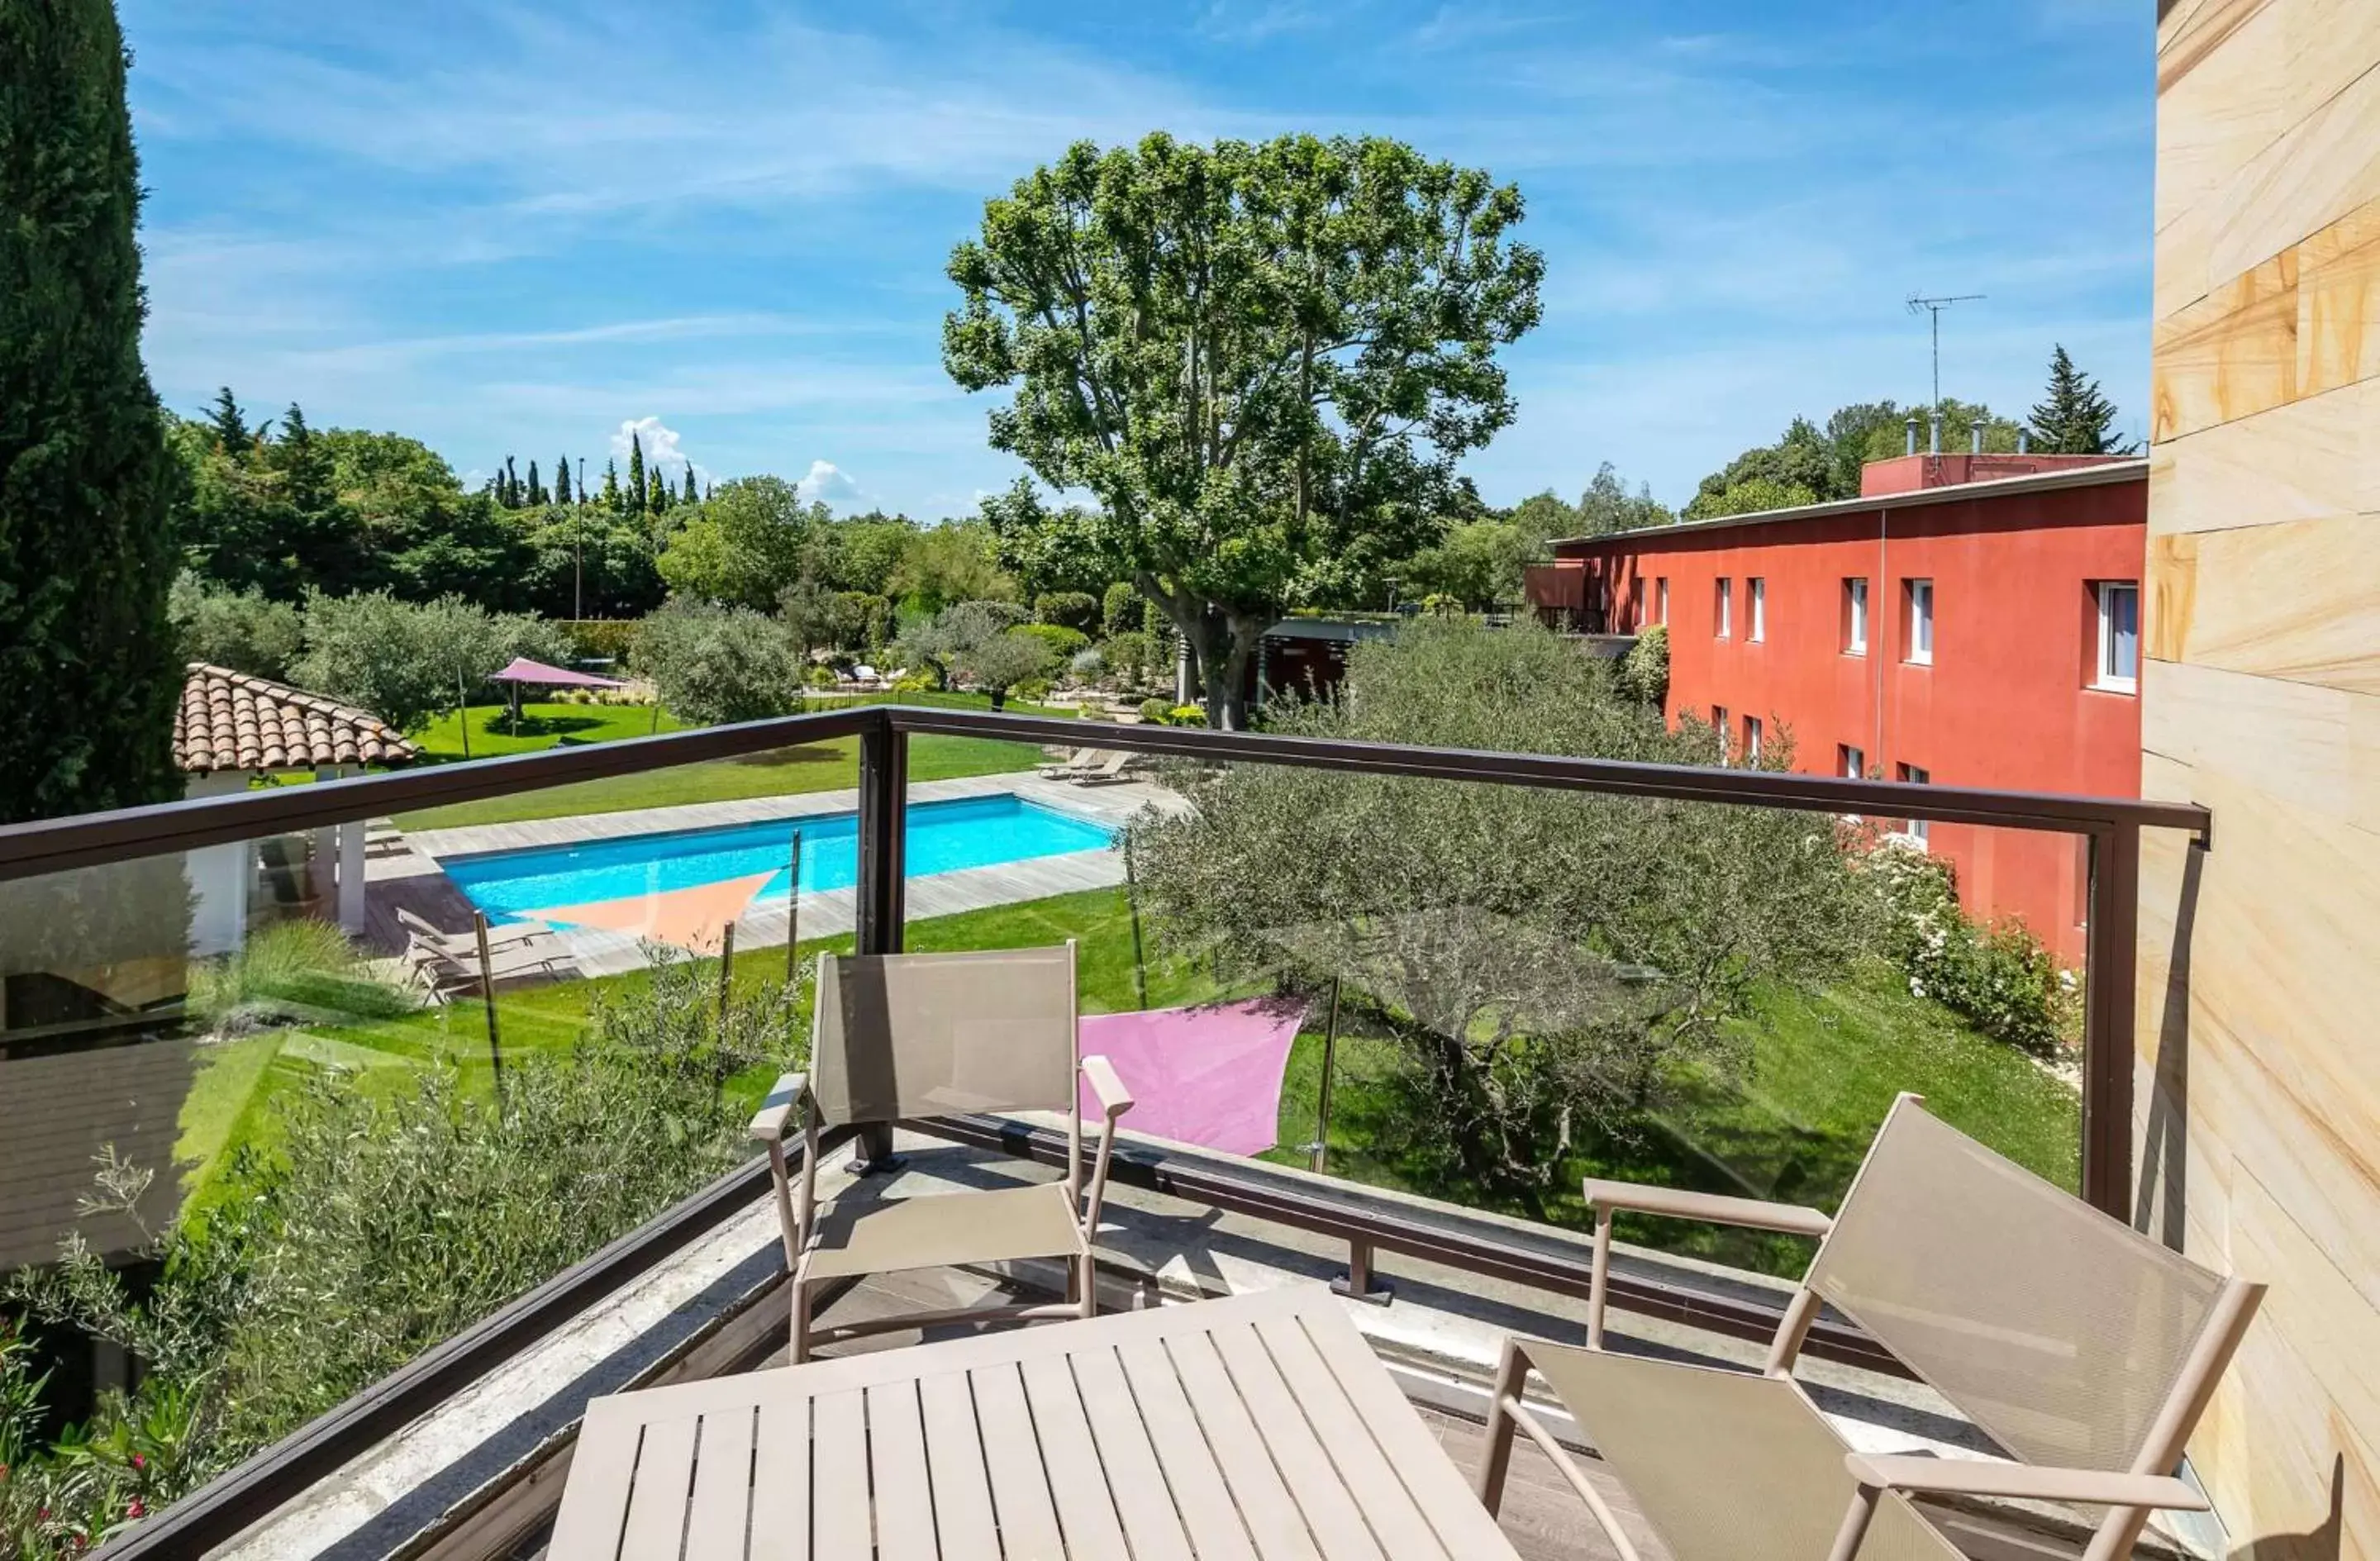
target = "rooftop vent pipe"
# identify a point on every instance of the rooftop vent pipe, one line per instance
(1976, 437)
(1934, 446)
(1912, 426)
(2023, 441)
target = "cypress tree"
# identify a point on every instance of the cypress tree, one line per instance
(536, 489)
(661, 494)
(638, 499)
(562, 482)
(687, 497)
(2074, 417)
(86, 482)
(612, 486)
(230, 424)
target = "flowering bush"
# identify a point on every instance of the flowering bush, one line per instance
(1996, 975)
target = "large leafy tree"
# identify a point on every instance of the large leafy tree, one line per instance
(86, 556)
(1262, 362)
(2074, 417)
(1606, 506)
(745, 546)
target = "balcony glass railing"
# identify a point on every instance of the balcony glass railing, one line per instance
(298, 1084)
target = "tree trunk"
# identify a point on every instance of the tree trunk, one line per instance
(1247, 634)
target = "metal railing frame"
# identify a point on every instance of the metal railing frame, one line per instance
(2110, 825)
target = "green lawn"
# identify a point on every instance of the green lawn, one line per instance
(816, 766)
(1822, 1071)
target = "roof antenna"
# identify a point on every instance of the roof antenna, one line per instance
(1935, 308)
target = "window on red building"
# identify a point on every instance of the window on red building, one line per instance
(1752, 739)
(1720, 726)
(1756, 590)
(1917, 632)
(1661, 598)
(1855, 616)
(1723, 606)
(1916, 775)
(1850, 762)
(2120, 636)
(1636, 604)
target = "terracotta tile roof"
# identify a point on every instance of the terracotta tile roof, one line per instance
(235, 721)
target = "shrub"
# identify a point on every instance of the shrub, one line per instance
(1062, 642)
(1074, 609)
(404, 661)
(1119, 609)
(1188, 715)
(1087, 664)
(1032, 690)
(381, 1223)
(1000, 663)
(710, 664)
(599, 640)
(1155, 713)
(290, 970)
(1129, 655)
(1645, 672)
(245, 630)
(915, 682)
(1996, 975)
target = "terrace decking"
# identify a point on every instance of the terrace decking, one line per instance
(403, 869)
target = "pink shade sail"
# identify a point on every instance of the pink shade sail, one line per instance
(694, 919)
(1208, 1075)
(522, 669)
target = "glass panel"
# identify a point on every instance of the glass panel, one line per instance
(1532, 986)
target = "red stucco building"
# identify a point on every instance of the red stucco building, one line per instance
(1938, 629)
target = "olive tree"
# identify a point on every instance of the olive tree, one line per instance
(710, 664)
(1549, 963)
(1263, 362)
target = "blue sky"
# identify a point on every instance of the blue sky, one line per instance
(519, 227)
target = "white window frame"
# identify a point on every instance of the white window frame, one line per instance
(1720, 724)
(1753, 731)
(1636, 603)
(1855, 635)
(1920, 622)
(1854, 760)
(2108, 678)
(1661, 598)
(1918, 829)
(1757, 589)
(1724, 614)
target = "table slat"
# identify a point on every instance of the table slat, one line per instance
(1135, 1480)
(657, 1506)
(601, 1466)
(1012, 1456)
(723, 1488)
(1273, 1518)
(1329, 1509)
(955, 1461)
(896, 1454)
(781, 1487)
(1085, 1509)
(1436, 1484)
(1200, 1494)
(839, 1516)
(1395, 1521)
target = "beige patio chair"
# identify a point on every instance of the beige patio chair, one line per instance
(918, 1035)
(2085, 1350)
(464, 945)
(1076, 761)
(1114, 768)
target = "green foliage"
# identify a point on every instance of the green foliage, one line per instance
(1545, 962)
(997, 663)
(1262, 362)
(1606, 506)
(1129, 655)
(245, 630)
(745, 547)
(86, 554)
(711, 664)
(1062, 642)
(2074, 416)
(1478, 565)
(1157, 712)
(599, 640)
(585, 558)
(1750, 496)
(290, 970)
(944, 640)
(1074, 609)
(1644, 673)
(955, 562)
(1997, 975)
(404, 661)
(1119, 609)
(380, 1224)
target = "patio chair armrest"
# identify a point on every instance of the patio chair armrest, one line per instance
(771, 1123)
(1671, 1203)
(1114, 1099)
(1967, 1478)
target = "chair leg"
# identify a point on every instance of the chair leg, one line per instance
(798, 1334)
(1856, 1517)
(1496, 1458)
(1087, 1279)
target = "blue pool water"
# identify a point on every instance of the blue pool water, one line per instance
(943, 836)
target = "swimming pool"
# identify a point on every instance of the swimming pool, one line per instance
(942, 837)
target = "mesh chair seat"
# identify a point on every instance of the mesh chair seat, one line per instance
(943, 1230)
(1726, 1464)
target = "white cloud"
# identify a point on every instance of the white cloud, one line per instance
(829, 483)
(661, 449)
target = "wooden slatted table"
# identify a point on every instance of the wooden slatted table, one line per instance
(1257, 1428)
